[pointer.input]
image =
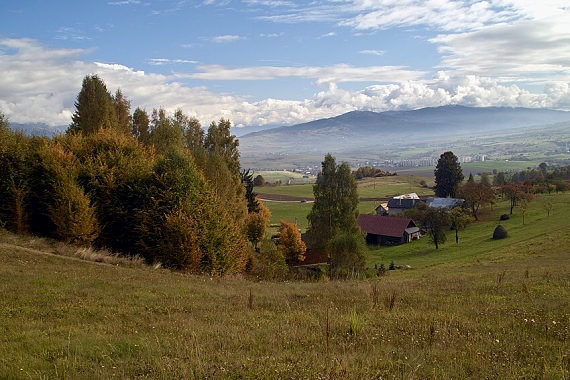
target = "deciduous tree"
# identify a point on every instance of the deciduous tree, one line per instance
(436, 218)
(290, 243)
(459, 220)
(348, 254)
(256, 224)
(122, 112)
(476, 195)
(448, 175)
(517, 192)
(141, 126)
(335, 209)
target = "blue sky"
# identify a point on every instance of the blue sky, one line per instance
(283, 61)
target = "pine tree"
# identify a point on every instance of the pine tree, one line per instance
(122, 112)
(94, 108)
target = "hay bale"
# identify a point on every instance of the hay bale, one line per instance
(500, 232)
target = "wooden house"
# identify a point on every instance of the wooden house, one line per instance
(385, 230)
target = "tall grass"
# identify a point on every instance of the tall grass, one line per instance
(65, 318)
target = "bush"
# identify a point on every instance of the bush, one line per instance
(73, 215)
(500, 232)
(348, 253)
(504, 217)
(269, 261)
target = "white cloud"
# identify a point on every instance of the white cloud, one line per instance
(126, 2)
(534, 51)
(322, 74)
(373, 52)
(166, 61)
(66, 33)
(40, 84)
(227, 38)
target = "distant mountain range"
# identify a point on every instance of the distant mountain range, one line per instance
(359, 130)
(363, 129)
(38, 129)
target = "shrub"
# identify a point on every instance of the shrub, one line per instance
(504, 217)
(269, 261)
(500, 232)
(73, 215)
(348, 253)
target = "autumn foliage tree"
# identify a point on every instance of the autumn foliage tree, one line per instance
(517, 193)
(459, 220)
(290, 243)
(256, 224)
(476, 195)
(133, 186)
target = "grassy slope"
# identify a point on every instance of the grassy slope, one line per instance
(477, 309)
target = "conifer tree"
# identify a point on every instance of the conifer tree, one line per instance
(122, 112)
(94, 108)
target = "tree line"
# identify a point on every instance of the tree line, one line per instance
(155, 186)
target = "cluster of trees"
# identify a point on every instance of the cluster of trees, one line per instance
(368, 172)
(541, 179)
(156, 186)
(332, 219)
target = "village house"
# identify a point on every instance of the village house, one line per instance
(385, 230)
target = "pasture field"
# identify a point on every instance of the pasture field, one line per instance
(284, 176)
(477, 309)
(367, 188)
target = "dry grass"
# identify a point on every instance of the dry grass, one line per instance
(500, 312)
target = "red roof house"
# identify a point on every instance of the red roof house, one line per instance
(385, 230)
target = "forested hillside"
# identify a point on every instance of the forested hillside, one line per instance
(147, 185)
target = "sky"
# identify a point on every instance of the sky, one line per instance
(283, 62)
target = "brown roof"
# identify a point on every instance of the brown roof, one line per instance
(384, 225)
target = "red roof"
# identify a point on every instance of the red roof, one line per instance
(384, 225)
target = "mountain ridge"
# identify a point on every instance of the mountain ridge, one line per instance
(356, 129)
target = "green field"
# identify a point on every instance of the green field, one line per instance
(477, 309)
(285, 177)
(367, 188)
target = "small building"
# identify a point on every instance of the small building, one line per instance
(382, 209)
(399, 205)
(448, 203)
(385, 230)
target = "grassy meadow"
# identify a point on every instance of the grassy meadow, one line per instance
(477, 309)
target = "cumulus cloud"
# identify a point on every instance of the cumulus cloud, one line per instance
(40, 84)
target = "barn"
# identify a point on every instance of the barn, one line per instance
(385, 230)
